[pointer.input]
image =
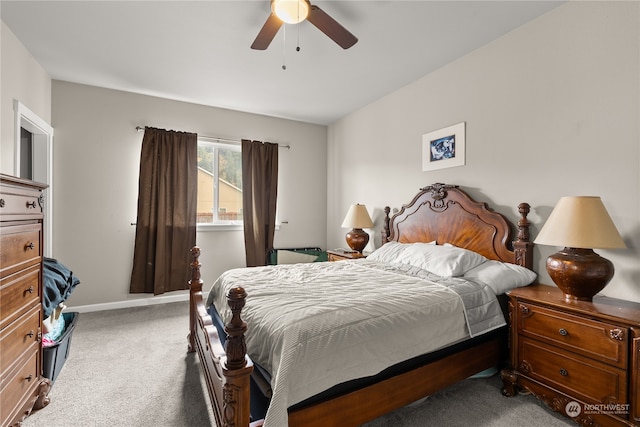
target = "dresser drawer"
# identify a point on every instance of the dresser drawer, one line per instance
(21, 336)
(20, 247)
(578, 376)
(602, 341)
(18, 293)
(18, 386)
(19, 202)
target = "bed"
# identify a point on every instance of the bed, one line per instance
(439, 215)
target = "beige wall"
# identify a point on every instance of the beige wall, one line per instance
(552, 109)
(97, 154)
(22, 79)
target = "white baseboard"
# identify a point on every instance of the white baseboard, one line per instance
(139, 302)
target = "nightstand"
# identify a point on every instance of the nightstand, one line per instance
(341, 255)
(580, 358)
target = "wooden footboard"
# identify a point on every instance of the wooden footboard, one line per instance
(226, 370)
(366, 404)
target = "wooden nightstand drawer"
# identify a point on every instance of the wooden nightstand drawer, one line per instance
(599, 340)
(340, 255)
(578, 376)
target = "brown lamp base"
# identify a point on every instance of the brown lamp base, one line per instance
(357, 239)
(579, 273)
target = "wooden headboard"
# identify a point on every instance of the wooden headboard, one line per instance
(446, 214)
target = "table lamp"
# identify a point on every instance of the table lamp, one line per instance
(357, 218)
(579, 224)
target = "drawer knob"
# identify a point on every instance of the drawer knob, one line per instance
(563, 332)
(30, 334)
(31, 205)
(30, 290)
(617, 334)
(29, 378)
(2, 203)
(563, 372)
(30, 245)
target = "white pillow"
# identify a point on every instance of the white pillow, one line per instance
(393, 251)
(445, 261)
(501, 276)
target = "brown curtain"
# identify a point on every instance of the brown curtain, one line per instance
(259, 193)
(167, 202)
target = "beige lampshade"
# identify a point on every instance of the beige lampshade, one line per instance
(357, 217)
(580, 222)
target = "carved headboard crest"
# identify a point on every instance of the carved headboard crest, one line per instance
(438, 193)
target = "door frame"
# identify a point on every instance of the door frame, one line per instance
(42, 161)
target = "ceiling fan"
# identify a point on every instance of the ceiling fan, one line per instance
(296, 11)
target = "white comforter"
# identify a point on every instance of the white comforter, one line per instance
(316, 325)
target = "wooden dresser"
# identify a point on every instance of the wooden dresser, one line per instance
(22, 386)
(580, 358)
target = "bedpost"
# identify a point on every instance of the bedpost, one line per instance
(386, 232)
(236, 348)
(227, 371)
(195, 285)
(237, 367)
(523, 246)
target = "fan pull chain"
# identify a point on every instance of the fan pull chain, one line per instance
(284, 44)
(298, 44)
(284, 47)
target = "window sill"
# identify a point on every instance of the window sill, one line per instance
(219, 227)
(223, 227)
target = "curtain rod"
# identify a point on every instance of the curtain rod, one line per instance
(223, 140)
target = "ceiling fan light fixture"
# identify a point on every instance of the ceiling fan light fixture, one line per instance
(291, 11)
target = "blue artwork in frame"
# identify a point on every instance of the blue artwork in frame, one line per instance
(444, 148)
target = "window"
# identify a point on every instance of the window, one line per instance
(219, 183)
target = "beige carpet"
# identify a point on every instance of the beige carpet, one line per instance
(130, 367)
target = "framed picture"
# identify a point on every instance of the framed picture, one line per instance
(443, 148)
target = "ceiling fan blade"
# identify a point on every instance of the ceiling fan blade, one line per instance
(331, 28)
(267, 33)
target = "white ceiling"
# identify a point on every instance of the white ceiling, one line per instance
(198, 51)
